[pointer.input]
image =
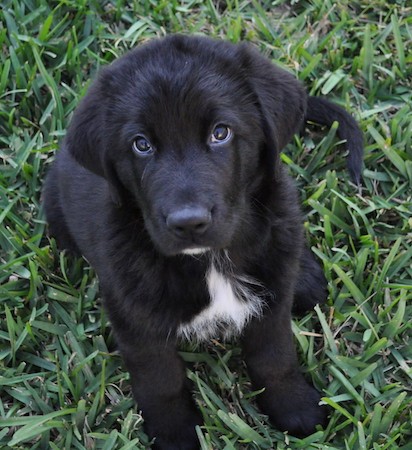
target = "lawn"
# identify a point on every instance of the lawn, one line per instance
(62, 384)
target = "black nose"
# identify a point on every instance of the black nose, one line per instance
(189, 221)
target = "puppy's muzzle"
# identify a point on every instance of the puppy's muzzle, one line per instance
(189, 222)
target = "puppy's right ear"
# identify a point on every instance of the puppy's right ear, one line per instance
(281, 98)
(86, 139)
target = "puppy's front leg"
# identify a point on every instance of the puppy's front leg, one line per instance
(289, 401)
(160, 387)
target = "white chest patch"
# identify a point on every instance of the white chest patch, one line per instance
(232, 305)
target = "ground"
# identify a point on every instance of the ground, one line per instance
(62, 385)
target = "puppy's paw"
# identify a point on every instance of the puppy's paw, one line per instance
(178, 433)
(309, 293)
(166, 443)
(311, 286)
(296, 410)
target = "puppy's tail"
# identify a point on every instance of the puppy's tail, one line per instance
(324, 112)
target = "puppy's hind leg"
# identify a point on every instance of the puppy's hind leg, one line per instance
(55, 215)
(311, 286)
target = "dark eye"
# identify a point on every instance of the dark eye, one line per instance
(221, 134)
(142, 146)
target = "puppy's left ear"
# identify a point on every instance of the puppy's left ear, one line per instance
(281, 98)
(86, 138)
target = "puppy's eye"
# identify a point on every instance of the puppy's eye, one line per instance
(142, 146)
(221, 134)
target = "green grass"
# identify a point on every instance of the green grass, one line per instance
(61, 385)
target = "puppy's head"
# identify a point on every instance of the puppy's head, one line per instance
(191, 128)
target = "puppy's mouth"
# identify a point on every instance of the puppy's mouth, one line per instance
(190, 231)
(171, 246)
(196, 251)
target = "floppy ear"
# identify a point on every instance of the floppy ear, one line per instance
(281, 98)
(85, 139)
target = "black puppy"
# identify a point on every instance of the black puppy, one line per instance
(169, 182)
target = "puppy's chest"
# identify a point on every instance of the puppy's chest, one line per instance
(233, 303)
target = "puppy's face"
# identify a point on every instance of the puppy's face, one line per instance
(189, 143)
(184, 130)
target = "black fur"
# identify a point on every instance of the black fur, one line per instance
(324, 112)
(133, 215)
